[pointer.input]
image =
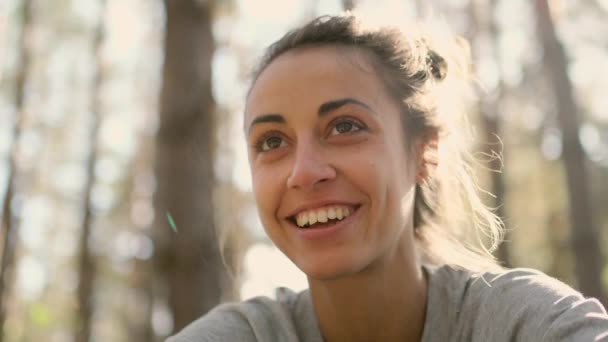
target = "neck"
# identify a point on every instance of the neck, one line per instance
(384, 302)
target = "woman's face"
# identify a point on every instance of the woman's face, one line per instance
(331, 175)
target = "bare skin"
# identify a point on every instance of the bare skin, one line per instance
(382, 303)
(323, 133)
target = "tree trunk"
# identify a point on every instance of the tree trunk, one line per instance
(86, 264)
(348, 5)
(493, 129)
(9, 228)
(142, 278)
(140, 327)
(584, 235)
(482, 19)
(189, 258)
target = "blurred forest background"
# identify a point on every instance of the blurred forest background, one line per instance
(122, 161)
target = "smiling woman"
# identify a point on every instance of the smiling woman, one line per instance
(361, 178)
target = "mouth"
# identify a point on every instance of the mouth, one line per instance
(323, 217)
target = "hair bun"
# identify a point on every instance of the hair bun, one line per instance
(437, 65)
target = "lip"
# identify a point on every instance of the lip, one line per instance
(319, 204)
(329, 232)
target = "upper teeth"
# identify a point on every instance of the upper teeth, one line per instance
(310, 217)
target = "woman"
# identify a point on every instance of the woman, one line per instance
(361, 179)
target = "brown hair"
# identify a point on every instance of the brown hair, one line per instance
(450, 220)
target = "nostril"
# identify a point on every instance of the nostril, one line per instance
(307, 172)
(306, 183)
(324, 180)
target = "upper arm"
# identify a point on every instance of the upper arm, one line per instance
(583, 320)
(525, 305)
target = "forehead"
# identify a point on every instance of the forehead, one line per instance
(312, 75)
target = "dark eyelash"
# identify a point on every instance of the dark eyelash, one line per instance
(257, 145)
(357, 123)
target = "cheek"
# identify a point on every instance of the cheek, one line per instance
(387, 177)
(267, 189)
(370, 171)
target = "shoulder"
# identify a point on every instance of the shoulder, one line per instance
(256, 319)
(226, 321)
(540, 306)
(520, 303)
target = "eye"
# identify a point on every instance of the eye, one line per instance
(269, 143)
(345, 126)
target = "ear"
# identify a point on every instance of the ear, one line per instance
(426, 156)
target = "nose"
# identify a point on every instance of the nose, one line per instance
(310, 167)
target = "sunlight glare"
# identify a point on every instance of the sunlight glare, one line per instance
(551, 145)
(266, 268)
(31, 277)
(36, 213)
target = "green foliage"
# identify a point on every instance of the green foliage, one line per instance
(40, 315)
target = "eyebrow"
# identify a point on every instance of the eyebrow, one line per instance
(324, 109)
(330, 106)
(278, 118)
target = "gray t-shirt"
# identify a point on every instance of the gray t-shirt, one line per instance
(514, 305)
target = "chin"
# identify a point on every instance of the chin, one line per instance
(329, 268)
